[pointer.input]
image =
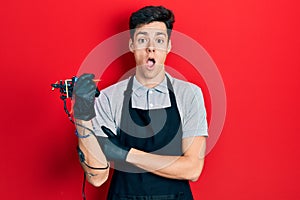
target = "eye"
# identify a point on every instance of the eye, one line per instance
(160, 41)
(142, 40)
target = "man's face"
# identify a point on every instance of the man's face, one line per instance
(150, 46)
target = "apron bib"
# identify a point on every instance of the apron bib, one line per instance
(155, 131)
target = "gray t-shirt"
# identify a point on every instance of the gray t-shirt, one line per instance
(189, 98)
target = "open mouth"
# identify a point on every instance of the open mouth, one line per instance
(150, 62)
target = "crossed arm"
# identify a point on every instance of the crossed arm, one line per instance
(188, 166)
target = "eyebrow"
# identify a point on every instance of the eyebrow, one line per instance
(161, 33)
(142, 33)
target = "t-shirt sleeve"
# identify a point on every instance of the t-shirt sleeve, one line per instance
(104, 115)
(194, 120)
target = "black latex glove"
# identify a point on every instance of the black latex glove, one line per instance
(112, 147)
(84, 93)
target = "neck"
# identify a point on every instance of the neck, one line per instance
(150, 82)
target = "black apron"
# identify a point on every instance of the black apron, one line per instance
(155, 131)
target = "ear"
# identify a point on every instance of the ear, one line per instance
(169, 46)
(130, 45)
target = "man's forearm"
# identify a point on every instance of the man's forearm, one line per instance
(93, 154)
(188, 167)
(176, 167)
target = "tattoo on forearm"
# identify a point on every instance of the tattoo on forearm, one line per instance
(91, 174)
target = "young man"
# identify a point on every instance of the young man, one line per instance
(156, 124)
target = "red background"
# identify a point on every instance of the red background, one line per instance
(255, 45)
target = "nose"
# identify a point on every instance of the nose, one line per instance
(150, 46)
(150, 49)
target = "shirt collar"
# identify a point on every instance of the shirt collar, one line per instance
(140, 90)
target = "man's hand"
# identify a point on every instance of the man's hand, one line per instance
(84, 92)
(112, 147)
